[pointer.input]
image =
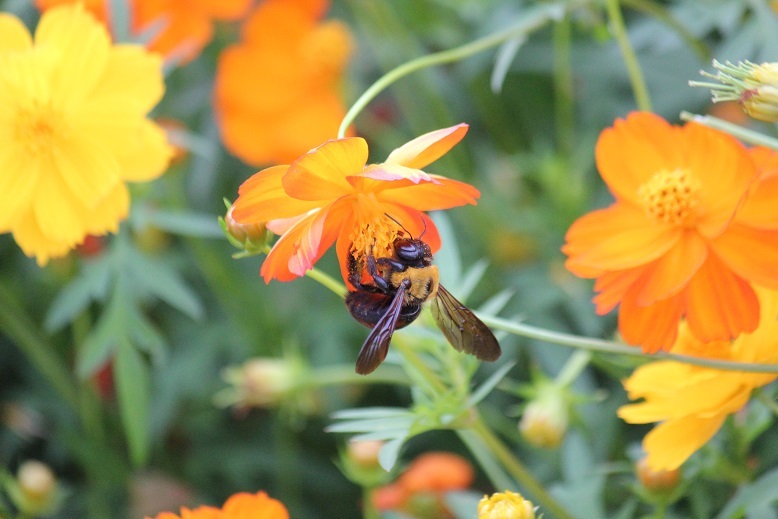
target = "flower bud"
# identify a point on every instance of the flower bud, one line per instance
(545, 419)
(505, 505)
(248, 236)
(364, 453)
(659, 481)
(755, 87)
(259, 382)
(35, 491)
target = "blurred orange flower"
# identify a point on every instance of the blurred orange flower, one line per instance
(692, 402)
(673, 244)
(419, 489)
(185, 26)
(277, 92)
(329, 194)
(239, 506)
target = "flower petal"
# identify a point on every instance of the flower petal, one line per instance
(89, 170)
(389, 172)
(759, 209)
(57, 211)
(16, 188)
(720, 305)
(427, 148)
(671, 272)
(147, 153)
(262, 198)
(654, 327)
(616, 238)
(751, 253)
(14, 36)
(670, 444)
(417, 224)
(321, 173)
(442, 193)
(34, 242)
(612, 287)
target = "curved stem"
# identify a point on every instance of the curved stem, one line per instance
(642, 99)
(328, 281)
(744, 134)
(604, 346)
(530, 22)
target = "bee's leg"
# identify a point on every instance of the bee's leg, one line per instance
(395, 265)
(381, 282)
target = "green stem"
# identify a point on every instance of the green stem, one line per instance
(413, 360)
(604, 346)
(639, 89)
(744, 134)
(530, 22)
(519, 472)
(573, 367)
(328, 281)
(563, 87)
(368, 505)
(25, 334)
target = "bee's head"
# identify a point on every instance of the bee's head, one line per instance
(413, 252)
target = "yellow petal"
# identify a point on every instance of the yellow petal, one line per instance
(17, 184)
(321, 173)
(57, 211)
(427, 148)
(83, 45)
(132, 75)
(111, 210)
(670, 444)
(88, 170)
(14, 36)
(147, 153)
(34, 242)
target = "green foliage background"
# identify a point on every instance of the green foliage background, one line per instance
(167, 304)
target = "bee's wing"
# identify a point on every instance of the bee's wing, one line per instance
(376, 345)
(464, 331)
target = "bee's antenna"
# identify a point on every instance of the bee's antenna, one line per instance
(403, 227)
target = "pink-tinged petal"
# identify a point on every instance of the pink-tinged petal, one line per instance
(670, 444)
(617, 238)
(444, 193)
(653, 327)
(720, 305)
(427, 148)
(262, 198)
(390, 172)
(282, 225)
(633, 150)
(671, 272)
(751, 253)
(321, 173)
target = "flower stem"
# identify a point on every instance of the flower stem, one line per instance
(604, 346)
(744, 134)
(25, 334)
(531, 21)
(328, 281)
(368, 505)
(519, 472)
(639, 89)
(564, 110)
(573, 367)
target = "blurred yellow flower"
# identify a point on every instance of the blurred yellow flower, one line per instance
(74, 129)
(692, 402)
(505, 505)
(278, 90)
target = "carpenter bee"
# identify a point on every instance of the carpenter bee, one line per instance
(400, 285)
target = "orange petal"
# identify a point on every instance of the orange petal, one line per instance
(262, 198)
(670, 273)
(444, 193)
(751, 253)
(427, 148)
(670, 444)
(759, 208)
(720, 305)
(418, 224)
(612, 287)
(254, 506)
(389, 172)
(617, 238)
(654, 327)
(633, 150)
(321, 173)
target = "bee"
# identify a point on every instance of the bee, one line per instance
(400, 285)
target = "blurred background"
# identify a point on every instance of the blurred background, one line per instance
(184, 430)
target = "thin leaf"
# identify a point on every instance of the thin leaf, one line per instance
(182, 223)
(371, 412)
(132, 392)
(101, 342)
(502, 63)
(165, 283)
(387, 456)
(490, 383)
(371, 425)
(752, 497)
(470, 280)
(90, 285)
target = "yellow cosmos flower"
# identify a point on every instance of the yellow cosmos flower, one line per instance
(692, 402)
(73, 129)
(505, 505)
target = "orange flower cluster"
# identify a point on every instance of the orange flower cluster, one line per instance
(278, 91)
(693, 229)
(419, 490)
(331, 195)
(184, 26)
(239, 506)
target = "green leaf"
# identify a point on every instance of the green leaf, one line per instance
(371, 412)
(132, 391)
(490, 383)
(502, 63)
(387, 456)
(90, 285)
(371, 425)
(183, 223)
(165, 283)
(100, 343)
(752, 497)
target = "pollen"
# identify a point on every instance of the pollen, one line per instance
(374, 238)
(671, 196)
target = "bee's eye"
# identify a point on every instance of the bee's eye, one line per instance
(407, 250)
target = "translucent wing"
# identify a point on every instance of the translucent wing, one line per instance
(376, 345)
(464, 331)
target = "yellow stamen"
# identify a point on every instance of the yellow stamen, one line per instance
(671, 196)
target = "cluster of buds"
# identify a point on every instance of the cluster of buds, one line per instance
(754, 87)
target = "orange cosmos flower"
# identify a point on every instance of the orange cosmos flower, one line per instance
(330, 195)
(692, 402)
(239, 506)
(185, 26)
(673, 244)
(277, 92)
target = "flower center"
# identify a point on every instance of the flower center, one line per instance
(38, 130)
(670, 196)
(374, 237)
